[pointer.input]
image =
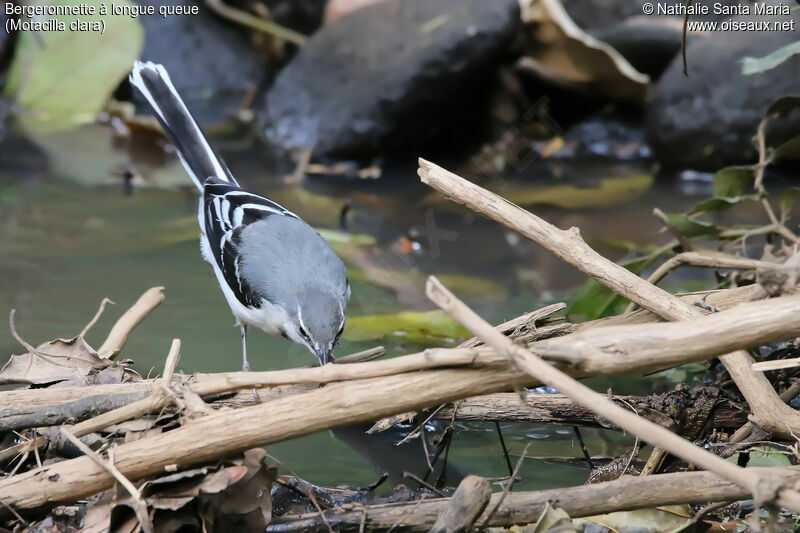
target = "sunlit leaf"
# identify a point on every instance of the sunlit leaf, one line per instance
(63, 78)
(417, 327)
(754, 65)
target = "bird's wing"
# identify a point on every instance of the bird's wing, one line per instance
(227, 210)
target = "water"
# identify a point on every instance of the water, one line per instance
(70, 236)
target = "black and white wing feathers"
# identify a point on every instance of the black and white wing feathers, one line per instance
(227, 210)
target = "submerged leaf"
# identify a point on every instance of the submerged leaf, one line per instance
(63, 78)
(417, 327)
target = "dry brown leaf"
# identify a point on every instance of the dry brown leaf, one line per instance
(563, 53)
(58, 360)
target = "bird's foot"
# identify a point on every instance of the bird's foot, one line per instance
(246, 367)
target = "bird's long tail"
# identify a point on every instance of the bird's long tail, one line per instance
(197, 156)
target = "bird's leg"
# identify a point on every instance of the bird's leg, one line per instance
(245, 364)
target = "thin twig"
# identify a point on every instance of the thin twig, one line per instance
(96, 317)
(139, 505)
(424, 483)
(503, 446)
(507, 488)
(263, 25)
(586, 454)
(683, 38)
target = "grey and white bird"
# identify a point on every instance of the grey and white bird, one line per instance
(276, 272)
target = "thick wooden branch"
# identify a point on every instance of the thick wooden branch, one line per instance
(768, 410)
(763, 489)
(624, 494)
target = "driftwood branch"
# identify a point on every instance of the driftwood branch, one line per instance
(768, 410)
(603, 350)
(761, 487)
(118, 336)
(464, 507)
(624, 494)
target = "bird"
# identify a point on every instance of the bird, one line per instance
(275, 271)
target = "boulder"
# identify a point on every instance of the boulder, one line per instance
(706, 121)
(387, 74)
(648, 43)
(211, 62)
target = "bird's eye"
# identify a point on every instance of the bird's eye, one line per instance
(304, 333)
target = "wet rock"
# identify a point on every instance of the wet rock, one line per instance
(387, 74)
(648, 43)
(211, 63)
(707, 121)
(611, 137)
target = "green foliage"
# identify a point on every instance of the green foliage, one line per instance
(594, 300)
(63, 78)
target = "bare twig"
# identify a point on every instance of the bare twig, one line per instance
(139, 505)
(96, 317)
(507, 488)
(263, 25)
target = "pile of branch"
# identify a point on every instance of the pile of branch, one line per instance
(215, 416)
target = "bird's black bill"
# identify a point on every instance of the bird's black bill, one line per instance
(324, 357)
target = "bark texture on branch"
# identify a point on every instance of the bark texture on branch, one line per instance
(623, 494)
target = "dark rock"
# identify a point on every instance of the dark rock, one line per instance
(211, 63)
(649, 44)
(707, 121)
(387, 74)
(304, 16)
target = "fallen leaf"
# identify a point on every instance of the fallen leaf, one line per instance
(58, 360)
(560, 50)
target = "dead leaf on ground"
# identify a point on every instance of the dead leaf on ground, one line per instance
(562, 53)
(71, 360)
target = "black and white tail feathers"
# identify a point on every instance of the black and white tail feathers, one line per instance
(197, 156)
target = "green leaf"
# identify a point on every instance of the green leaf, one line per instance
(417, 327)
(784, 105)
(754, 65)
(594, 300)
(790, 150)
(64, 78)
(788, 199)
(718, 204)
(734, 181)
(690, 227)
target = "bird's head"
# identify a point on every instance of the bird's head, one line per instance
(317, 321)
